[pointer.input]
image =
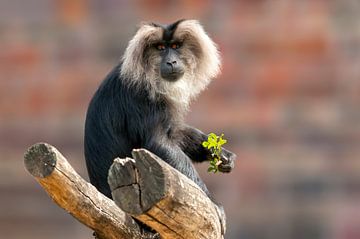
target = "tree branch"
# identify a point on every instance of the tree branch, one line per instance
(76, 196)
(145, 188)
(161, 197)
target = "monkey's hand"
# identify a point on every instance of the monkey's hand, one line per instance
(227, 161)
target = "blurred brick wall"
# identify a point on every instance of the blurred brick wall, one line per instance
(287, 100)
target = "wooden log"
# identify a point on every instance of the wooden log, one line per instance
(164, 199)
(76, 196)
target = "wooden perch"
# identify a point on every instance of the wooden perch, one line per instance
(78, 197)
(145, 188)
(158, 195)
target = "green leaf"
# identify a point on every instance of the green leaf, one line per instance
(212, 169)
(205, 144)
(221, 140)
(212, 136)
(212, 141)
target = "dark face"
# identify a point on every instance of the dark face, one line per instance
(171, 66)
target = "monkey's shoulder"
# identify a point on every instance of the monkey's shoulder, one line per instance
(117, 95)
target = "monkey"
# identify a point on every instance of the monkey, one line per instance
(142, 102)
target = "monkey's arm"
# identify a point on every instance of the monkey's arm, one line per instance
(191, 144)
(192, 139)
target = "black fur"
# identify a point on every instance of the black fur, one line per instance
(169, 30)
(121, 117)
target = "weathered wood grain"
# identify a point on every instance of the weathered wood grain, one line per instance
(144, 187)
(161, 197)
(71, 192)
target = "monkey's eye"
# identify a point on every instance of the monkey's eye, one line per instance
(160, 46)
(175, 45)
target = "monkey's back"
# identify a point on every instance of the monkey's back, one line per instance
(119, 119)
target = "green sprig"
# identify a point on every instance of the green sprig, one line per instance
(214, 144)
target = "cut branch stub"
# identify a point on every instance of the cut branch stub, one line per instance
(161, 197)
(40, 161)
(71, 192)
(141, 192)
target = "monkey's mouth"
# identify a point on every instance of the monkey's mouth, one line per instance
(172, 76)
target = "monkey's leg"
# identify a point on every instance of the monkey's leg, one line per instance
(174, 156)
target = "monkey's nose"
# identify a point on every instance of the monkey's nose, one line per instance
(171, 63)
(171, 69)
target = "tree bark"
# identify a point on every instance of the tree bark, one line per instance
(71, 192)
(161, 197)
(145, 188)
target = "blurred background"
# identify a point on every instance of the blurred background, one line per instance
(287, 100)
